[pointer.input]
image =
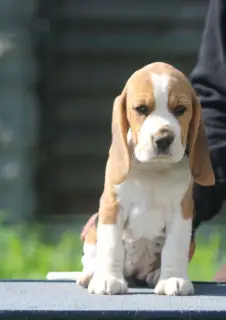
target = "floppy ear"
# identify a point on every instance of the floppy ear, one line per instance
(119, 153)
(199, 158)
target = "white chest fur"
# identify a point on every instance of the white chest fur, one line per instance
(148, 199)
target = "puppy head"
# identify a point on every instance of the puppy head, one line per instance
(155, 119)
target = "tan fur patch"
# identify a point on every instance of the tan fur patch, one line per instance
(91, 236)
(187, 203)
(109, 207)
(139, 93)
(180, 95)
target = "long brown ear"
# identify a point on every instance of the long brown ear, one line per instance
(200, 164)
(119, 154)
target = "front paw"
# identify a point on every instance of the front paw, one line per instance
(107, 284)
(174, 287)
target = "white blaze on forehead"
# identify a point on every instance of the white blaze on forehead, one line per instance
(160, 88)
(160, 118)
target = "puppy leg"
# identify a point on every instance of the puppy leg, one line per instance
(153, 277)
(108, 274)
(175, 257)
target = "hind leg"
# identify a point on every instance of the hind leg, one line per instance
(153, 277)
(88, 261)
(89, 255)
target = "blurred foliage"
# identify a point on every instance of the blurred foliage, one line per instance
(27, 253)
(30, 252)
(205, 262)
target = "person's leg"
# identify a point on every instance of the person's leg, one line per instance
(208, 203)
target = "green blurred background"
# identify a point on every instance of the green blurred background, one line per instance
(59, 61)
(33, 250)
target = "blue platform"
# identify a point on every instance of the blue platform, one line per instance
(65, 300)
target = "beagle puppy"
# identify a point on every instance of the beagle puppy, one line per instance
(158, 150)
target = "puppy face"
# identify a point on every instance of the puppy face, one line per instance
(159, 110)
(155, 119)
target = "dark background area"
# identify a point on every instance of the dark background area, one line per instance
(87, 52)
(62, 62)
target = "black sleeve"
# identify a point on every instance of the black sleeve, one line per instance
(209, 81)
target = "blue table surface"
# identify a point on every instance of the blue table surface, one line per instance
(64, 299)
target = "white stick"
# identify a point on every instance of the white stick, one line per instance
(62, 275)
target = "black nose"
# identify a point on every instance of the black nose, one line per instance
(163, 142)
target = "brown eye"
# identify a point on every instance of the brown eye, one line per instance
(179, 110)
(142, 110)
